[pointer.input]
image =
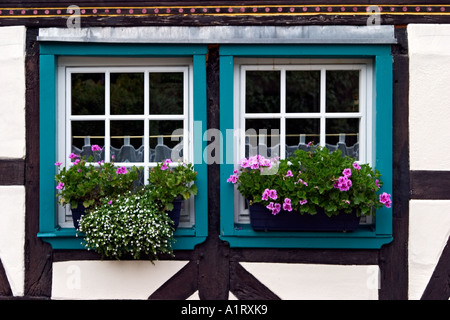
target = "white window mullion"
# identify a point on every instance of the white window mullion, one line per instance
(107, 141)
(146, 139)
(322, 106)
(282, 138)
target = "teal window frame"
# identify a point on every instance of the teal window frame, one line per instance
(241, 235)
(66, 238)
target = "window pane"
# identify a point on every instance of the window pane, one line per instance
(166, 140)
(85, 134)
(88, 93)
(299, 132)
(262, 92)
(166, 93)
(342, 93)
(303, 91)
(127, 93)
(127, 141)
(343, 134)
(262, 136)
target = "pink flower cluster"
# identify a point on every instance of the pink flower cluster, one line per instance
(385, 198)
(274, 207)
(234, 177)
(256, 162)
(165, 165)
(269, 193)
(344, 183)
(121, 170)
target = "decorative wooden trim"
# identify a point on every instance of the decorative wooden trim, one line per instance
(224, 10)
(12, 172)
(438, 287)
(430, 185)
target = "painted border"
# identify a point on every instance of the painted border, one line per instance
(65, 238)
(243, 235)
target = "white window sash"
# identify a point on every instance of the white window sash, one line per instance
(364, 113)
(107, 66)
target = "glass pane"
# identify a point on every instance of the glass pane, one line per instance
(300, 132)
(303, 91)
(343, 134)
(166, 140)
(84, 135)
(88, 93)
(262, 92)
(127, 141)
(166, 93)
(342, 91)
(127, 93)
(262, 136)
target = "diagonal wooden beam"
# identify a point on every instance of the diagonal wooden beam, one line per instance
(5, 289)
(179, 287)
(246, 287)
(438, 287)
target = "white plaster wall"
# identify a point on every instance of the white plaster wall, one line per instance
(111, 279)
(12, 92)
(429, 96)
(429, 230)
(429, 111)
(291, 281)
(12, 236)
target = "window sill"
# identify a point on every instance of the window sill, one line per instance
(243, 236)
(67, 238)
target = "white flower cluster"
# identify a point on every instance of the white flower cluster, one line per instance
(128, 225)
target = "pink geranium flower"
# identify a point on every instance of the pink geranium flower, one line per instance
(60, 186)
(96, 147)
(121, 170)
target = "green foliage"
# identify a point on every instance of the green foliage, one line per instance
(83, 182)
(311, 179)
(129, 224)
(169, 183)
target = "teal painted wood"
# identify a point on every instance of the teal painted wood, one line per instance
(200, 113)
(124, 50)
(65, 238)
(47, 129)
(243, 236)
(226, 125)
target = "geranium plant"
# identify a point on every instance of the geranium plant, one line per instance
(168, 183)
(311, 179)
(130, 224)
(86, 183)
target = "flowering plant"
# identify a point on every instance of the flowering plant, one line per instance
(168, 183)
(311, 179)
(129, 224)
(83, 182)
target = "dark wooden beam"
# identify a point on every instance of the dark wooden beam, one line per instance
(394, 256)
(38, 257)
(438, 287)
(5, 289)
(12, 172)
(246, 287)
(430, 185)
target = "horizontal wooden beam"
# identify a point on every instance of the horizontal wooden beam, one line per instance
(430, 185)
(12, 172)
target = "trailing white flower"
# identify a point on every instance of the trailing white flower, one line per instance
(130, 224)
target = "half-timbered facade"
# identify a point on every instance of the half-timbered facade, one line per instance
(399, 55)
